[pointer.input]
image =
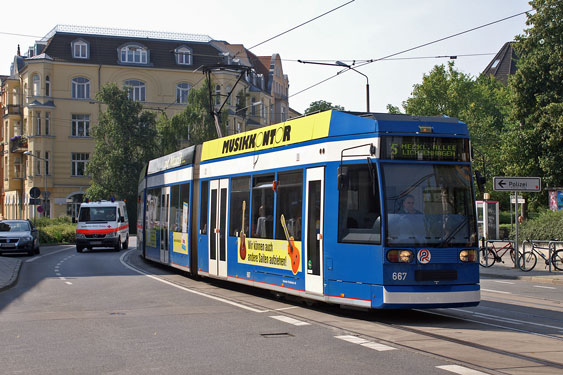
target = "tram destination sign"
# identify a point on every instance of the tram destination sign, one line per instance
(529, 184)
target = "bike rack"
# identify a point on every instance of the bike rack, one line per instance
(552, 247)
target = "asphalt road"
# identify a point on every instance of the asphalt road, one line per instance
(106, 312)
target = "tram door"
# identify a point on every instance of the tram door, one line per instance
(164, 211)
(218, 199)
(313, 241)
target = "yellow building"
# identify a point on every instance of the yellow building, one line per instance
(49, 107)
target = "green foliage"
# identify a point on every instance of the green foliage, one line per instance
(125, 142)
(193, 126)
(547, 226)
(322, 105)
(533, 143)
(56, 231)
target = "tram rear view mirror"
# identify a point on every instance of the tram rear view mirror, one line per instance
(342, 178)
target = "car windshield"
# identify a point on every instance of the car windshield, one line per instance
(429, 205)
(97, 214)
(13, 226)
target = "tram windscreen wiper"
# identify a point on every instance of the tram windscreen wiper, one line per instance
(453, 233)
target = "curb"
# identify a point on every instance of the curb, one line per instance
(536, 279)
(13, 277)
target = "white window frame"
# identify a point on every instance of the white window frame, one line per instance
(183, 55)
(134, 54)
(37, 123)
(80, 88)
(136, 90)
(80, 49)
(46, 163)
(38, 163)
(47, 123)
(182, 92)
(79, 162)
(47, 86)
(36, 85)
(80, 125)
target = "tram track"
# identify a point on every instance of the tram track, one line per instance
(367, 324)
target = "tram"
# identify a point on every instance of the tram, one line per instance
(358, 209)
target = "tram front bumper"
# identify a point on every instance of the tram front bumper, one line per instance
(425, 297)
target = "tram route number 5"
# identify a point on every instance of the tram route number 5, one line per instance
(399, 275)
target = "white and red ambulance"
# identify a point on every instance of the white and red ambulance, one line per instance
(102, 224)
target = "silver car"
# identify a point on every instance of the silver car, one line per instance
(18, 236)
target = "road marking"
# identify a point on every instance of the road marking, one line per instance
(503, 282)
(44, 255)
(68, 282)
(289, 320)
(461, 370)
(186, 289)
(544, 287)
(365, 343)
(495, 291)
(286, 308)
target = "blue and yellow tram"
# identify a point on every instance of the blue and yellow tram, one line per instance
(361, 209)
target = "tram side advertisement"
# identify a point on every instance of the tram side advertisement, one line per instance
(271, 253)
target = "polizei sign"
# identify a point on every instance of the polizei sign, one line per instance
(530, 184)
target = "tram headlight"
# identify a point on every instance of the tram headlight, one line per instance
(400, 256)
(468, 255)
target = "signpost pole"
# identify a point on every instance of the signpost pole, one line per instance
(516, 260)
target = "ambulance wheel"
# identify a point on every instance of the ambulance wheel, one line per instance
(126, 243)
(79, 249)
(117, 246)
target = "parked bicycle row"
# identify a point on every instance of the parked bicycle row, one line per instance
(494, 250)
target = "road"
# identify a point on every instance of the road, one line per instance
(107, 312)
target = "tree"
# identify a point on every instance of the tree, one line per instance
(321, 105)
(125, 141)
(533, 144)
(192, 126)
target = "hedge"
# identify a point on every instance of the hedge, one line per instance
(548, 225)
(56, 231)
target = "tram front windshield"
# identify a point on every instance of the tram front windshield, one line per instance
(428, 205)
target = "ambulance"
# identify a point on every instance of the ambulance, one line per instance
(102, 224)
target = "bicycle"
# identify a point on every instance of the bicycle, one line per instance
(529, 259)
(490, 255)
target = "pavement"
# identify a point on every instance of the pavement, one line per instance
(10, 267)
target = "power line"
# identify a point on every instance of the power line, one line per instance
(304, 23)
(388, 57)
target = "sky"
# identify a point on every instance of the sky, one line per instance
(359, 31)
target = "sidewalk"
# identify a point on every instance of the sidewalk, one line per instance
(10, 268)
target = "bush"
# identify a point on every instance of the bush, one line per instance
(548, 225)
(56, 231)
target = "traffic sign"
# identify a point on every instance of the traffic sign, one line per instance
(34, 201)
(517, 184)
(34, 192)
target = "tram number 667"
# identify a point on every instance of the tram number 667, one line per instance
(399, 275)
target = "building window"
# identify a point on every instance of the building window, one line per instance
(80, 88)
(136, 90)
(37, 163)
(47, 123)
(253, 107)
(230, 98)
(38, 123)
(80, 125)
(47, 86)
(36, 85)
(78, 164)
(182, 91)
(46, 163)
(133, 54)
(79, 49)
(183, 56)
(217, 94)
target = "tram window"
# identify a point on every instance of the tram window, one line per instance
(359, 213)
(262, 206)
(203, 207)
(240, 191)
(290, 204)
(152, 216)
(175, 209)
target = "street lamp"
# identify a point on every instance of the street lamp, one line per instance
(29, 153)
(349, 67)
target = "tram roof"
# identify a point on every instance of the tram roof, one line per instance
(329, 124)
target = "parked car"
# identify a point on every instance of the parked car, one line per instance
(18, 236)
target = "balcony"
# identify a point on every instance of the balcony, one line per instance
(12, 109)
(18, 144)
